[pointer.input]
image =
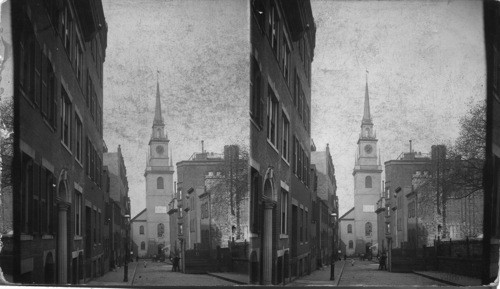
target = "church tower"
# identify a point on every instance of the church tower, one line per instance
(159, 184)
(367, 183)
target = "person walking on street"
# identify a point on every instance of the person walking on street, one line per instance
(382, 260)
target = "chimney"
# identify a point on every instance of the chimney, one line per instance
(202, 147)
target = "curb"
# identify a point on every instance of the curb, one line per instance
(437, 279)
(227, 279)
(340, 275)
(133, 276)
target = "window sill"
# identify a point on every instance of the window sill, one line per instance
(66, 147)
(49, 125)
(286, 162)
(76, 238)
(272, 145)
(283, 236)
(257, 126)
(78, 161)
(47, 237)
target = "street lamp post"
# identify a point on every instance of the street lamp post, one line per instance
(332, 259)
(127, 237)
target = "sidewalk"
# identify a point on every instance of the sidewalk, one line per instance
(113, 278)
(448, 278)
(238, 278)
(321, 277)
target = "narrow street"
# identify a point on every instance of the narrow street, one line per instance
(367, 273)
(156, 274)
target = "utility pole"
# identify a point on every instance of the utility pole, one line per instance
(127, 237)
(334, 251)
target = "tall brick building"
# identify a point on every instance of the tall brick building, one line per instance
(282, 49)
(117, 206)
(393, 227)
(59, 50)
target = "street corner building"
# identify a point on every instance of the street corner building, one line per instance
(117, 208)
(282, 49)
(209, 213)
(358, 226)
(59, 49)
(151, 227)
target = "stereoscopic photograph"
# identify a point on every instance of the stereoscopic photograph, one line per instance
(249, 142)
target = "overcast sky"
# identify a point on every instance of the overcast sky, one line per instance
(201, 49)
(425, 62)
(426, 65)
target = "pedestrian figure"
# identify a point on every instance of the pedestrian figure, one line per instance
(145, 263)
(382, 265)
(176, 263)
(345, 257)
(137, 258)
(352, 262)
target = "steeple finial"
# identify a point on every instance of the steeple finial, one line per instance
(367, 118)
(158, 120)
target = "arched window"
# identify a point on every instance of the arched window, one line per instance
(159, 183)
(143, 245)
(351, 244)
(368, 182)
(349, 229)
(368, 229)
(161, 230)
(141, 230)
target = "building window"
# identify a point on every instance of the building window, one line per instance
(256, 101)
(67, 29)
(141, 230)
(143, 245)
(285, 147)
(368, 229)
(368, 182)
(161, 230)
(65, 118)
(349, 229)
(259, 11)
(295, 155)
(301, 235)
(272, 118)
(78, 136)
(273, 32)
(255, 187)
(306, 226)
(180, 229)
(78, 213)
(285, 59)
(297, 90)
(38, 74)
(27, 194)
(284, 211)
(159, 183)
(351, 244)
(79, 62)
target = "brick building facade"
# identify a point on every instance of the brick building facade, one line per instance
(59, 53)
(282, 49)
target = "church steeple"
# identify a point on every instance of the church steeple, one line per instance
(367, 118)
(158, 120)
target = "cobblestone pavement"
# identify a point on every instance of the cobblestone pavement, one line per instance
(367, 273)
(320, 277)
(160, 274)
